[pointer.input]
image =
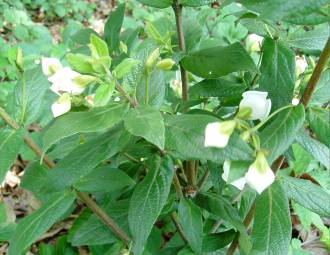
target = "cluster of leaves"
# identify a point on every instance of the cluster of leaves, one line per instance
(142, 156)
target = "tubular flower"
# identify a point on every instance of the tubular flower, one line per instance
(64, 81)
(254, 41)
(62, 105)
(50, 65)
(301, 65)
(239, 183)
(257, 103)
(217, 134)
(259, 176)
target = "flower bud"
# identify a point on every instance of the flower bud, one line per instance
(260, 176)
(62, 105)
(301, 65)
(152, 59)
(165, 64)
(50, 65)
(19, 59)
(254, 41)
(239, 183)
(123, 47)
(254, 105)
(217, 134)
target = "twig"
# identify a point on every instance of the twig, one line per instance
(83, 196)
(316, 74)
(177, 186)
(178, 226)
(204, 179)
(177, 7)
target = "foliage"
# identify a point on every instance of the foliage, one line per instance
(177, 129)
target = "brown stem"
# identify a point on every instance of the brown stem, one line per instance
(178, 226)
(182, 44)
(316, 74)
(177, 186)
(132, 101)
(204, 179)
(83, 196)
(104, 217)
(247, 221)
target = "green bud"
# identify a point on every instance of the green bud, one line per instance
(152, 59)
(165, 64)
(244, 113)
(245, 136)
(123, 47)
(64, 98)
(19, 59)
(227, 127)
(261, 162)
(84, 80)
(256, 141)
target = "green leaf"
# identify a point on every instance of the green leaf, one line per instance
(196, 3)
(34, 178)
(104, 93)
(190, 218)
(104, 179)
(82, 160)
(6, 231)
(156, 92)
(216, 241)
(184, 135)
(10, 144)
(29, 94)
(148, 199)
(221, 208)
(309, 40)
(271, 232)
(307, 12)
(321, 94)
(97, 119)
(277, 73)
(99, 46)
(112, 27)
(218, 61)
(302, 159)
(157, 3)
(33, 226)
(87, 223)
(147, 123)
(124, 67)
(318, 150)
(307, 194)
(280, 134)
(216, 88)
(319, 122)
(81, 63)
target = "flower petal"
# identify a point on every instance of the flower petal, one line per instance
(259, 180)
(214, 137)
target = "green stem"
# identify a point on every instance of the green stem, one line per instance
(147, 90)
(255, 128)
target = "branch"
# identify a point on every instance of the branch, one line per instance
(182, 44)
(316, 74)
(83, 196)
(178, 226)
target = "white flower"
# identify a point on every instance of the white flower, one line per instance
(260, 176)
(217, 134)
(301, 65)
(62, 105)
(258, 103)
(50, 65)
(239, 183)
(295, 101)
(254, 41)
(64, 81)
